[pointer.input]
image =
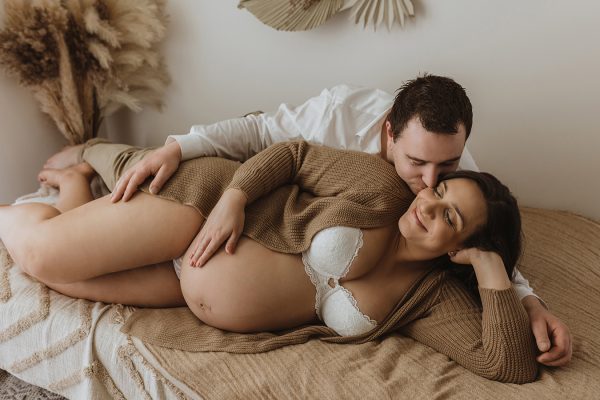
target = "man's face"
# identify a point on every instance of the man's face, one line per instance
(421, 157)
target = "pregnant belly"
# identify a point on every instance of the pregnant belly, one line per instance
(255, 289)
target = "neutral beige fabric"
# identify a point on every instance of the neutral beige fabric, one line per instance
(562, 260)
(110, 160)
(69, 346)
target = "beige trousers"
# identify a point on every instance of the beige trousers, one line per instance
(110, 160)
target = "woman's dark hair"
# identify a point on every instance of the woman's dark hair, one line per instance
(502, 231)
(440, 103)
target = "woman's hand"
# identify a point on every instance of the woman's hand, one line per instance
(472, 256)
(488, 266)
(226, 220)
(162, 163)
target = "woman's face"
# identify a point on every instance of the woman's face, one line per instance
(440, 219)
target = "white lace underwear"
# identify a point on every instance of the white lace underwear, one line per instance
(328, 259)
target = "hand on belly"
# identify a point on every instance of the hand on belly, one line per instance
(254, 289)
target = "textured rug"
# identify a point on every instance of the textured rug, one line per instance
(12, 388)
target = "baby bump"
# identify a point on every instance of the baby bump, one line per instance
(255, 289)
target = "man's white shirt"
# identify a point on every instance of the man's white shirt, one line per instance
(343, 117)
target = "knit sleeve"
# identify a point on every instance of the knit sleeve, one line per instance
(494, 341)
(319, 170)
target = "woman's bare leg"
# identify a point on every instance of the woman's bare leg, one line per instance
(154, 285)
(98, 237)
(150, 286)
(73, 184)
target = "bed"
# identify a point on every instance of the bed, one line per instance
(77, 349)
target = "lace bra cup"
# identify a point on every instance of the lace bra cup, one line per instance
(328, 259)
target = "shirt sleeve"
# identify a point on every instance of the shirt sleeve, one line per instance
(339, 117)
(522, 287)
(235, 139)
(241, 138)
(493, 341)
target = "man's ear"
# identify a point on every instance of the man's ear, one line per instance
(389, 133)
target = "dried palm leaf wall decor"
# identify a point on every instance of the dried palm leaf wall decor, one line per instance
(292, 15)
(301, 15)
(377, 12)
(84, 59)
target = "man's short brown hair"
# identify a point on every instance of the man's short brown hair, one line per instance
(440, 103)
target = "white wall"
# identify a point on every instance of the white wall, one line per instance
(26, 141)
(529, 68)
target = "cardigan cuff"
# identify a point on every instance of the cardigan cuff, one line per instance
(502, 305)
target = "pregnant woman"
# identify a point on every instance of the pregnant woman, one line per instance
(325, 239)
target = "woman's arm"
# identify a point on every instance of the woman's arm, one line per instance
(493, 341)
(322, 171)
(488, 266)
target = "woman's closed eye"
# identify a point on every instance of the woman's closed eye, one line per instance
(447, 217)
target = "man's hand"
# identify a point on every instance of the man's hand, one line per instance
(225, 222)
(162, 163)
(551, 335)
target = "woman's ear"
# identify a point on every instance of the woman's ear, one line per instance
(452, 253)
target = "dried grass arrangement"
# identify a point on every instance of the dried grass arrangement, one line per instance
(84, 59)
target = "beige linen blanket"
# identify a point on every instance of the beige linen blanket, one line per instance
(562, 261)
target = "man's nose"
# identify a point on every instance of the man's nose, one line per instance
(430, 176)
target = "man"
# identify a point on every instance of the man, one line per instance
(422, 132)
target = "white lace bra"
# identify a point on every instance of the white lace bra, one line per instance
(328, 259)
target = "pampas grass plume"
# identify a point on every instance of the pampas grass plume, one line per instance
(85, 59)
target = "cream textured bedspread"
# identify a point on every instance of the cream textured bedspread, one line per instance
(75, 348)
(70, 346)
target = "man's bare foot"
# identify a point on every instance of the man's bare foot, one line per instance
(67, 157)
(55, 177)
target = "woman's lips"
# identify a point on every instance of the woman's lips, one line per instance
(416, 213)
